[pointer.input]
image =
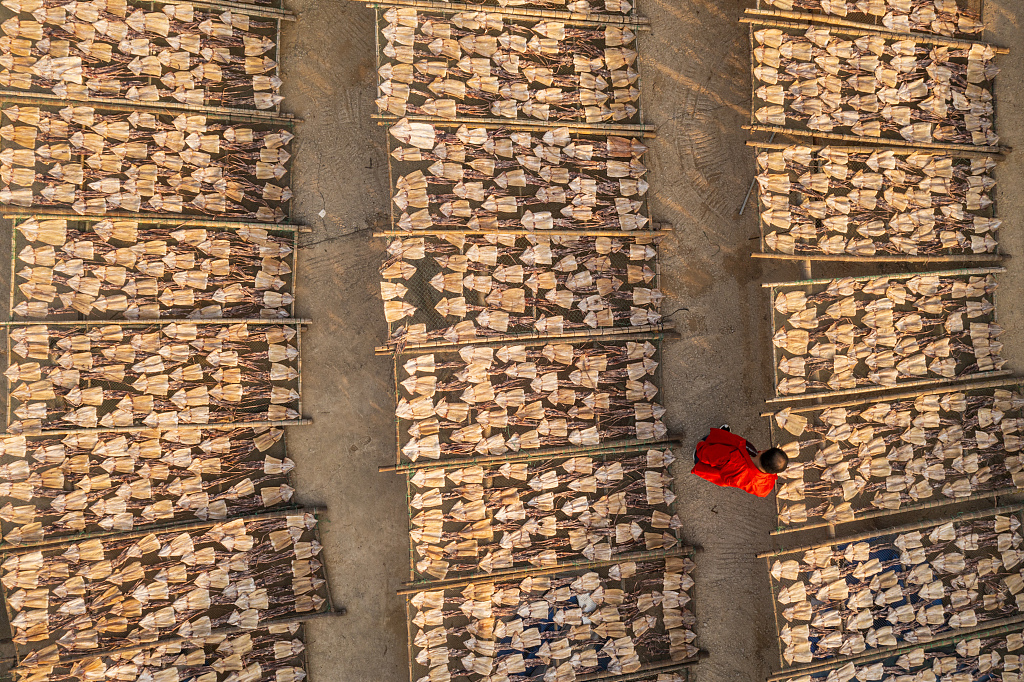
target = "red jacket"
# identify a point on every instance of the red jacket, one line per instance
(725, 461)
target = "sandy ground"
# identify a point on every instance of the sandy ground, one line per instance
(696, 90)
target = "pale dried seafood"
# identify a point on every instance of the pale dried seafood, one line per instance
(875, 86)
(159, 376)
(467, 520)
(832, 201)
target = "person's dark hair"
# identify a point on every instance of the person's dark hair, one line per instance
(774, 460)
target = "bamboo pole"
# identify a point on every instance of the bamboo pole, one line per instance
(226, 631)
(538, 343)
(526, 13)
(860, 149)
(660, 232)
(142, 219)
(137, 429)
(516, 124)
(898, 275)
(992, 628)
(639, 336)
(995, 383)
(284, 321)
(947, 258)
(120, 104)
(882, 141)
(553, 453)
(537, 455)
(519, 336)
(566, 567)
(249, 9)
(871, 534)
(646, 671)
(140, 532)
(882, 513)
(860, 390)
(847, 27)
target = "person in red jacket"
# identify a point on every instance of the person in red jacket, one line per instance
(730, 461)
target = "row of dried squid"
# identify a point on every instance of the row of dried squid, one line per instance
(112, 48)
(612, 619)
(118, 592)
(883, 331)
(142, 162)
(487, 184)
(833, 201)
(943, 17)
(271, 653)
(503, 282)
(889, 455)
(875, 86)
(475, 178)
(969, 658)
(118, 269)
(482, 64)
(923, 583)
(91, 482)
(575, 6)
(155, 376)
(526, 514)
(516, 398)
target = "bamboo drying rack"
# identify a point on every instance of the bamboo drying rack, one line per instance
(528, 124)
(646, 670)
(291, 259)
(770, 18)
(811, 256)
(986, 631)
(1015, 509)
(87, 324)
(860, 390)
(327, 611)
(274, 114)
(964, 387)
(604, 456)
